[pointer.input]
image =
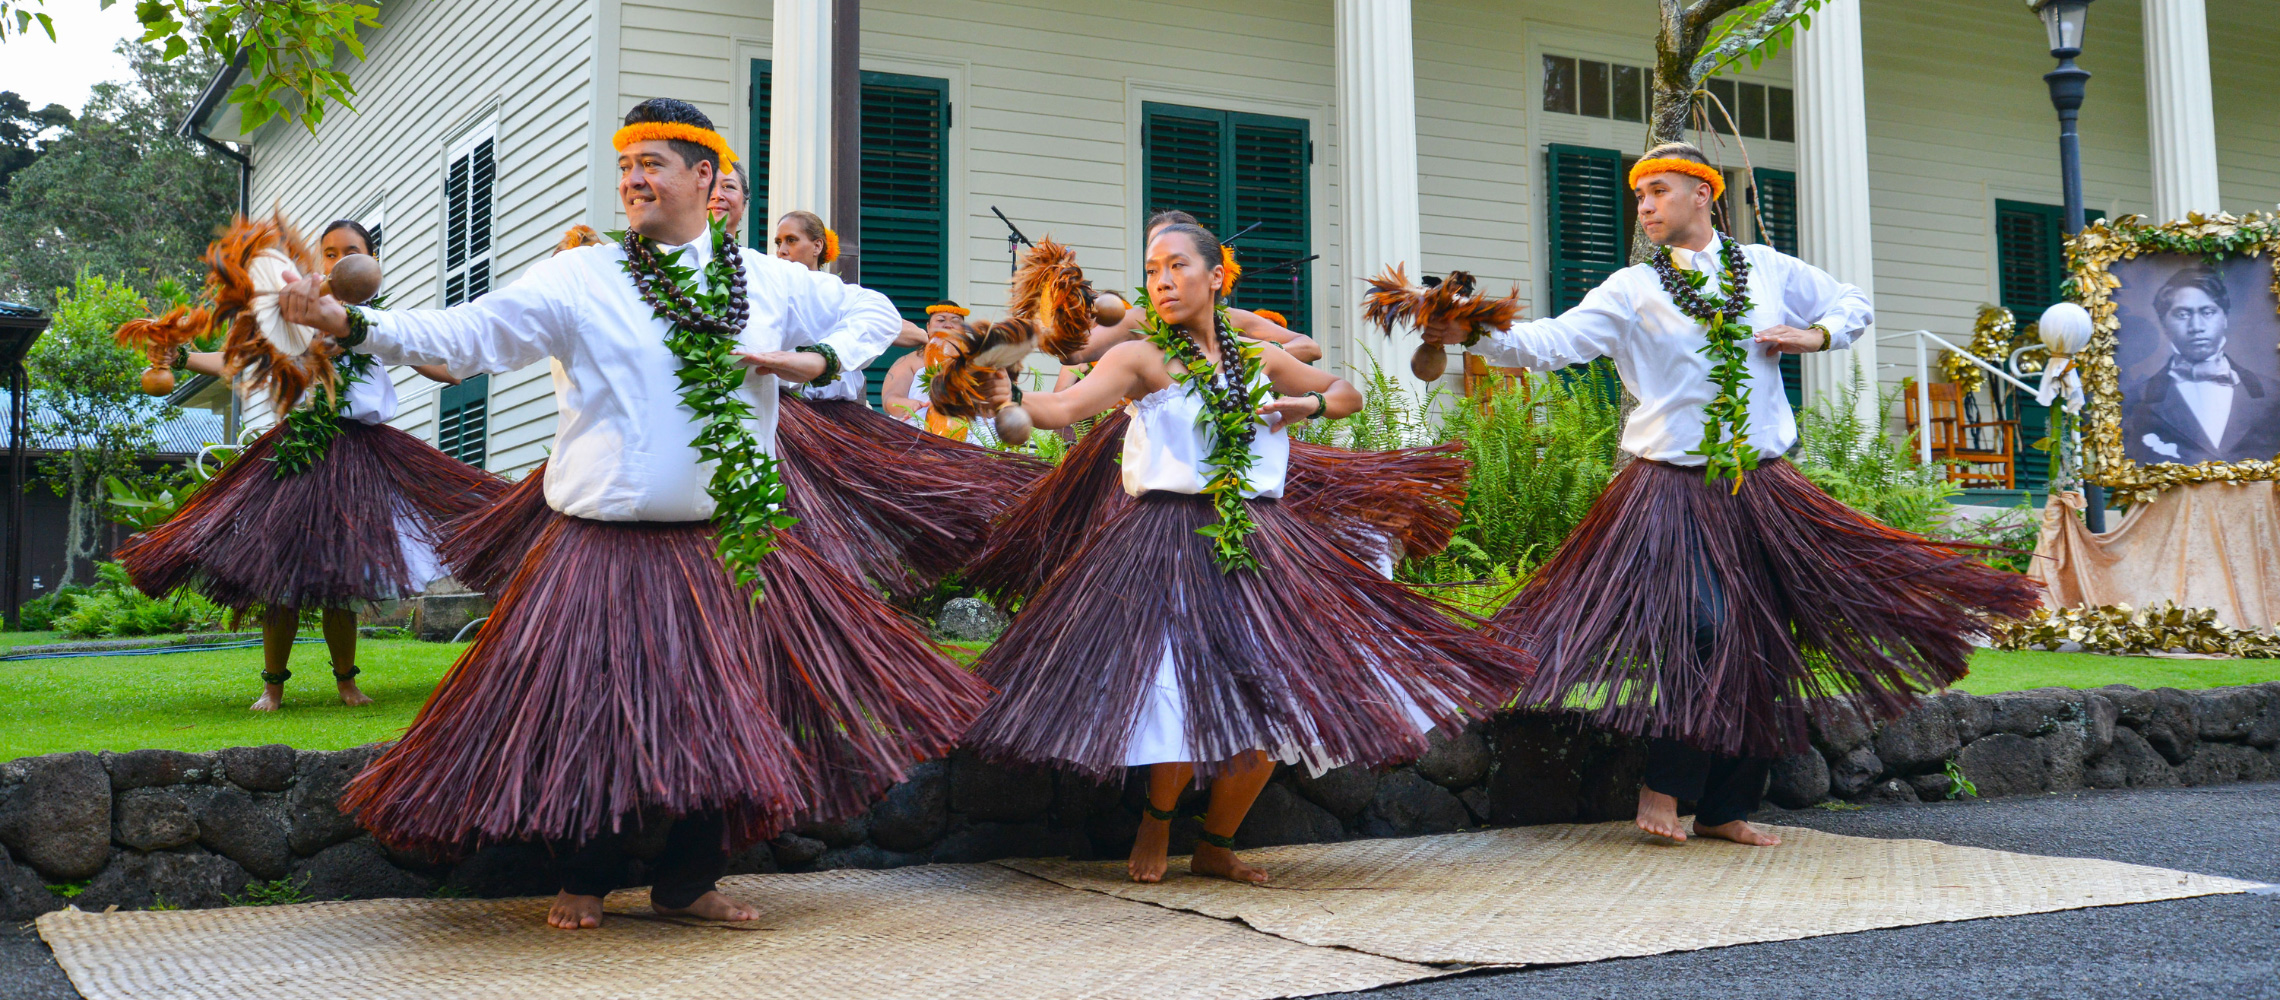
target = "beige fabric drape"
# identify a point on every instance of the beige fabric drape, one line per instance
(2203, 545)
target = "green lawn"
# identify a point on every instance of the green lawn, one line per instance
(1994, 671)
(196, 701)
(11, 640)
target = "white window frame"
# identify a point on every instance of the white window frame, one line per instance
(460, 147)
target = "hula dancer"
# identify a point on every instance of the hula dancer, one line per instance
(665, 650)
(1206, 630)
(1713, 596)
(329, 509)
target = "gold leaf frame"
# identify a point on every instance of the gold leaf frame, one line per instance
(2090, 255)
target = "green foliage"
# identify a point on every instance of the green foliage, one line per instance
(39, 613)
(95, 417)
(22, 130)
(1836, 806)
(69, 890)
(290, 46)
(146, 503)
(1541, 449)
(1758, 30)
(118, 193)
(1854, 461)
(158, 901)
(276, 892)
(113, 607)
(1960, 786)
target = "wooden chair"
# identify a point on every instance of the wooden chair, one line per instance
(1480, 377)
(1969, 463)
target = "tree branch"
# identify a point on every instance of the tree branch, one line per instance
(1770, 19)
(1705, 13)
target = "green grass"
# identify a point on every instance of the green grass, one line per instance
(11, 640)
(1994, 671)
(197, 701)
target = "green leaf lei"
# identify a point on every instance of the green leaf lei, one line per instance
(310, 429)
(1725, 447)
(1231, 416)
(749, 500)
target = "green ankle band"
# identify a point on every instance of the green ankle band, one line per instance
(1163, 814)
(279, 678)
(1215, 840)
(342, 675)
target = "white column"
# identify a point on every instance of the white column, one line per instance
(1377, 169)
(2184, 129)
(799, 131)
(1832, 181)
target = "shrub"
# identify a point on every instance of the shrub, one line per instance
(39, 613)
(113, 607)
(1854, 461)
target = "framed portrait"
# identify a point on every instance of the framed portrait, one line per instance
(2183, 370)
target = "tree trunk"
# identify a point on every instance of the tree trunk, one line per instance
(83, 525)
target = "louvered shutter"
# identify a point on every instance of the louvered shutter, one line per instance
(1230, 169)
(1584, 220)
(1269, 175)
(906, 212)
(1776, 193)
(762, 95)
(462, 421)
(467, 189)
(2030, 265)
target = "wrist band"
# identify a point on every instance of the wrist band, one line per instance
(1321, 406)
(830, 363)
(1825, 337)
(359, 327)
(1016, 387)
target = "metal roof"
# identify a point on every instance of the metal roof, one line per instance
(177, 438)
(15, 310)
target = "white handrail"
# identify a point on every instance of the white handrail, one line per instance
(1924, 386)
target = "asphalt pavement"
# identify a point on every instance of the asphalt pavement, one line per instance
(2212, 947)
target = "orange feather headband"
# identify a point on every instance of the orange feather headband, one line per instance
(1234, 270)
(650, 131)
(960, 310)
(1672, 165)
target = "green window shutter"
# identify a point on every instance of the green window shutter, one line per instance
(906, 213)
(756, 201)
(1584, 221)
(1230, 169)
(1776, 194)
(2028, 256)
(462, 420)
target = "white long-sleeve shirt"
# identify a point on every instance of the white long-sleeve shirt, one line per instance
(1658, 349)
(622, 448)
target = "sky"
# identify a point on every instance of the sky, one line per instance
(65, 70)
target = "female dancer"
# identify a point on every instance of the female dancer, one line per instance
(356, 522)
(1205, 630)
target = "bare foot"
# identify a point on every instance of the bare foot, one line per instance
(574, 912)
(1740, 832)
(351, 695)
(1219, 862)
(272, 698)
(1149, 849)
(710, 906)
(1658, 814)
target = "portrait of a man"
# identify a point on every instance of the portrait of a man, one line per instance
(2203, 391)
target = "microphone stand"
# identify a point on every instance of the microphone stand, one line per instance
(1014, 241)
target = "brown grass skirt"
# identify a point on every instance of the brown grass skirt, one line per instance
(1308, 649)
(622, 673)
(1799, 599)
(887, 501)
(876, 497)
(1371, 503)
(327, 537)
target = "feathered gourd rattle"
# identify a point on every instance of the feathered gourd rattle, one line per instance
(1053, 309)
(1392, 299)
(246, 270)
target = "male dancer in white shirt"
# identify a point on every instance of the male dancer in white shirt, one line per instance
(1712, 596)
(664, 651)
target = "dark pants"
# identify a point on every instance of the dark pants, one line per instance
(1723, 789)
(693, 859)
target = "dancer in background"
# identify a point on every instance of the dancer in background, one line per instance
(802, 238)
(665, 649)
(1205, 631)
(355, 522)
(1266, 326)
(1713, 595)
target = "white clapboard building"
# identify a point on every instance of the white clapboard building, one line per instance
(1909, 146)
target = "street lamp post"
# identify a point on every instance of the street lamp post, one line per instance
(2065, 20)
